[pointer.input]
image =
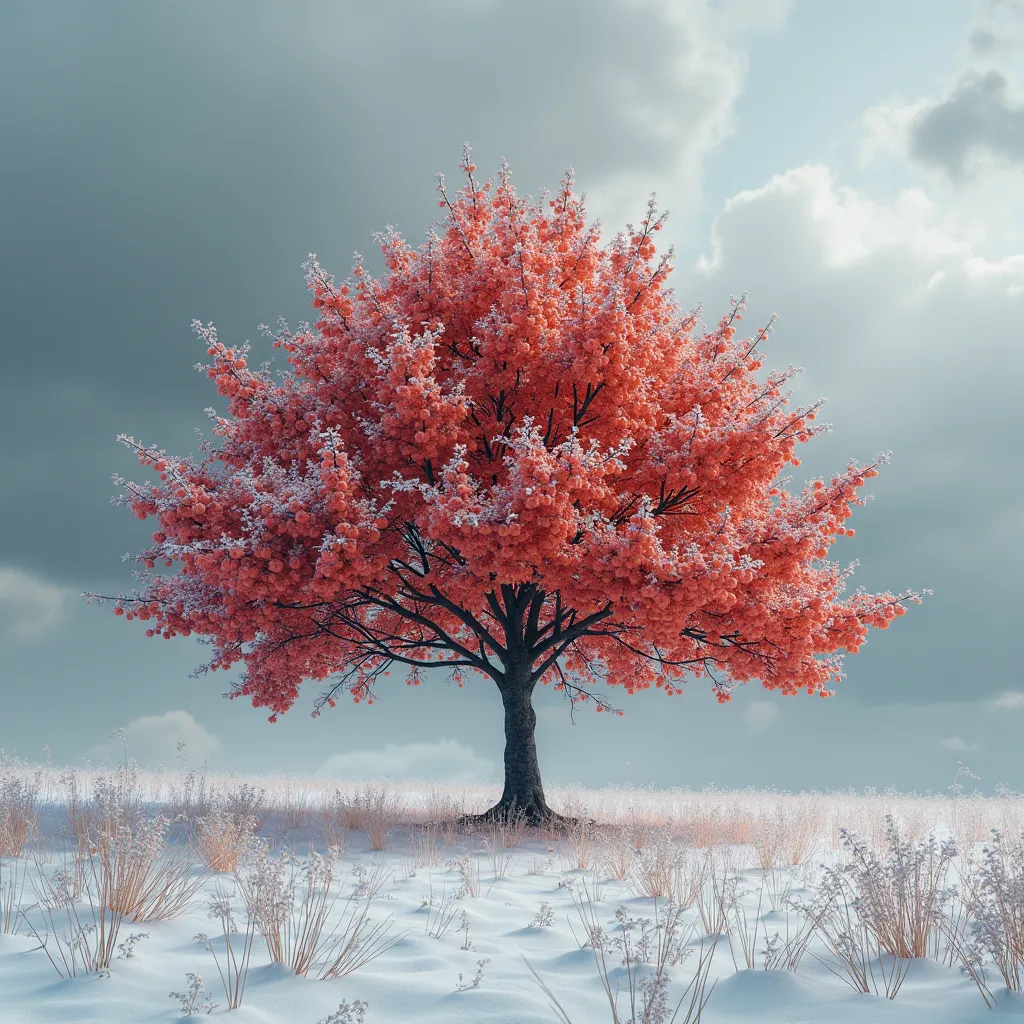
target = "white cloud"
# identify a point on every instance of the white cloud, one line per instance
(679, 103)
(29, 605)
(842, 225)
(930, 373)
(1010, 700)
(967, 138)
(760, 716)
(153, 739)
(446, 760)
(957, 745)
(883, 301)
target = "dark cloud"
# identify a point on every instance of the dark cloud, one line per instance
(164, 162)
(979, 116)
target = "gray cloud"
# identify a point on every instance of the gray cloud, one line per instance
(30, 607)
(980, 116)
(998, 27)
(913, 342)
(164, 162)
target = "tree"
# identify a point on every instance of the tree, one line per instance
(512, 456)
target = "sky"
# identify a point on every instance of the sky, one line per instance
(858, 169)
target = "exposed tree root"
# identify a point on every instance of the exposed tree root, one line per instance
(536, 813)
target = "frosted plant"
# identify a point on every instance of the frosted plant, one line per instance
(194, 1001)
(464, 927)
(126, 949)
(544, 918)
(997, 908)
(477, 978)
(347, 1013)
(235, 968)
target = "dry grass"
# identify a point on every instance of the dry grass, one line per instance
(674, 845)
(384, 809)
(616, 853)
(18, 797)
(127, 858)
(292, 930)
(376, 810)
(427, 843)
(503, 837)
(222, 839)
(355, 942)
(657, 868)
(234, 968)
(290, 903)
(192, 797)
(901, 896)
(766, 840)
(666, 944)
(81, 929)
(581, 844)
(172, 884)
(247, 804)
(335, 837)
(13, 877)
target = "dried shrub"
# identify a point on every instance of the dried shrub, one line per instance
(996, 907)
(427, 843)
(290, 902)
(18, 797)
(653, 871)
(616, 854)
(234, 969)
(383, 808)
(13, 877)
(901, 897)
(646, 957)
(580, 839)
(222, 839)
(247, 803)
(125, 852)
(291, 925)
(858, 958)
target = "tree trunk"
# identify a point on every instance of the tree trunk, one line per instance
(523, 793)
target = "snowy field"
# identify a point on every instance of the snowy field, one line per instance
(342, 902)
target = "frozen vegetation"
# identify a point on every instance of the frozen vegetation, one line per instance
(130, 896)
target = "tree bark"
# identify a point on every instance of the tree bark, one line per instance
(523, 793)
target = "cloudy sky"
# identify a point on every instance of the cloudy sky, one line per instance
(857, 168)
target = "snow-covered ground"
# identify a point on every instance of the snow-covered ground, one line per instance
(536, 917)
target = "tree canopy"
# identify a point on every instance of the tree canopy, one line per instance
(512, 453)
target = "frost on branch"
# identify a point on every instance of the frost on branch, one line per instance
(513, 443)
